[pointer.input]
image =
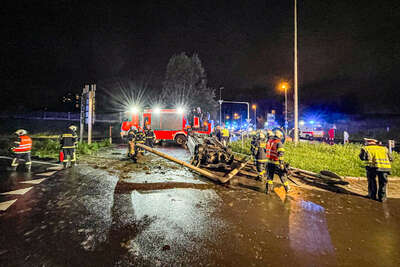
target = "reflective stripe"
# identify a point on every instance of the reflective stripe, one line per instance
(262, 173)
(261, 160)
(286, 183)
(270, 182)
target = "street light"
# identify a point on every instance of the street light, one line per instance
(254, 106)
(296, 108)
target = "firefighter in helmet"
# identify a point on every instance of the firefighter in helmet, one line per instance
(275, 153)
(261, 156)
(253, 143)
(68, 143)
(377, 163)
(150, 136)
(140, 138)
(22, 150)
(131, 141)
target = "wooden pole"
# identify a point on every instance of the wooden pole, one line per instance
(201, 171)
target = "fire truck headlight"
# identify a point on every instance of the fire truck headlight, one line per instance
(156, 110)
(134, 110)
(180, 110)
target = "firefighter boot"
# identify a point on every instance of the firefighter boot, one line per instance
(269, 187)
(12, 168)
(287, 187)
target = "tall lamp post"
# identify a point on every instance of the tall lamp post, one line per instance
(296, 108)
(254, 107)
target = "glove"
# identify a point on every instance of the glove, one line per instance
(282, 165)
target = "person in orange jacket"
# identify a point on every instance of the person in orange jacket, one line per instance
(22, 150)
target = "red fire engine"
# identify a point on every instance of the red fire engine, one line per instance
(168, 124)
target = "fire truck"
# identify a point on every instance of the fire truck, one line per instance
(168, 124)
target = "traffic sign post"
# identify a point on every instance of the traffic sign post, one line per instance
(391, 145)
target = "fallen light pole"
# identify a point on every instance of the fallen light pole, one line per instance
(207, 174)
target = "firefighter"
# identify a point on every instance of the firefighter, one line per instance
(131, 141)
(377, 163)
(225, 135)
(150, 136)
(68, 143)
(275, 152)
(261, 156)
(140, 138)
(22, 150)
(253, 143)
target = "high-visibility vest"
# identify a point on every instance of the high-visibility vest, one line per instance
(24, 146)
(273, 150)
(378, 158)
(225, 132)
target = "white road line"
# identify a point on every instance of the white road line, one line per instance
(17, 192)
(6, 204)
(46, 173)
(55, 168)
(36, 181)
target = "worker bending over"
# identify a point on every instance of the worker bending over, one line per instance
(275, 153)
(150, 136)
(22, 150)
(68, 143)
(377, 163)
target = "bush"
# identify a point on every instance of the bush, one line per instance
(341, 159)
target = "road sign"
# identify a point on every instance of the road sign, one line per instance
(391, 145)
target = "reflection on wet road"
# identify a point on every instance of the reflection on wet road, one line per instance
(159, 214)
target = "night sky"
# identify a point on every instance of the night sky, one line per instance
(349, 51)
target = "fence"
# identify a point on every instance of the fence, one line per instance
(61, 116)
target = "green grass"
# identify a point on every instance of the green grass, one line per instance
(50, 148)
(341, 159)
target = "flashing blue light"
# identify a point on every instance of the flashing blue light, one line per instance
(311, 122)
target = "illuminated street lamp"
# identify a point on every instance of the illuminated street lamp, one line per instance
(227, 117)
(254, 107)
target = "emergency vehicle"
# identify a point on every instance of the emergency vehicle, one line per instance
(311, 132)
(168, 124)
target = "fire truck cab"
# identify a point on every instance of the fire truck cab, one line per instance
(168, 124)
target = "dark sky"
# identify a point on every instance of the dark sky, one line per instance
(348, 50)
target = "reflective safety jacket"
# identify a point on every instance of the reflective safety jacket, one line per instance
(140, 137)
(225, 132)
(150, 134)
(275, 150)
(377, 157)
(23, 144)
(260, 151)
(131, 135)
(69, 140)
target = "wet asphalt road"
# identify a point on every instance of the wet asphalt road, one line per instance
(159, 216)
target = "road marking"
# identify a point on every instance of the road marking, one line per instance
(59, 168)
(36, 181)
(6, 204)
(46, 173)
(17, 192)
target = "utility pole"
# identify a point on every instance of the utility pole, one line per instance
(84, 96)
(91, 112)
(296, 107)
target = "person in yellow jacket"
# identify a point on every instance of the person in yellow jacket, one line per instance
(225, 136)
(377, 163)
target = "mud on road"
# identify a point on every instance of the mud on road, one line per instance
(111, 212)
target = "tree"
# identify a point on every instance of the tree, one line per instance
(186, 84)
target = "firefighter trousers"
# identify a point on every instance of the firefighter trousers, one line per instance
(69, 156)
(150, 142)
(273, 168)
(25, 156)
(261, 166)
(373, 189)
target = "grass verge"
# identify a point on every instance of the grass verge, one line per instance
(341, 159)
(50, 148)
